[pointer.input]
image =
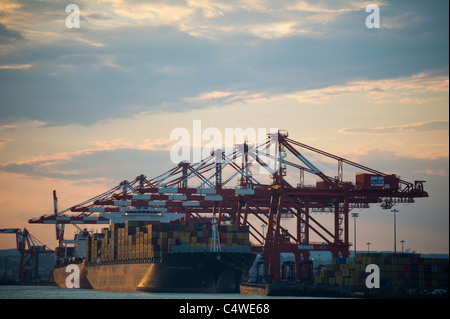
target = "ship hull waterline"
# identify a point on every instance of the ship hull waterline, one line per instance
(181, 272)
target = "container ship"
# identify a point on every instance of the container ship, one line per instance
(158, 256)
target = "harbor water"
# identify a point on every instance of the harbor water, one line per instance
(55, 292)
(33, 299)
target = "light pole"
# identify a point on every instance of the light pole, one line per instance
(368, 244)
(354, 215)
(395, 211)
(402, 241)
(263, 226)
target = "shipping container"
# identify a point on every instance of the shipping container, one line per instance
(398, 272)
(372, 181)
(137, 239)
(322, 185)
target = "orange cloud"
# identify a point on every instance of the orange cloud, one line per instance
(428, 126)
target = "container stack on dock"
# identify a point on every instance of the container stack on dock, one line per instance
(143, 240)
(398, 272)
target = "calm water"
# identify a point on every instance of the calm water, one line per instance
(54, 292)
(63, 302)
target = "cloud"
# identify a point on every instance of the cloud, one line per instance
(223, 98)
(112, 144)
(215, 19)
(105, 145)
(115, 164)
(275, 30)
(97, 162)
(380, 91)
(166, 56)
(179, 57)
(408, 167)
(17, 126)
(159, 144)
(428, 126)
(16, 67)
(4, 141)
(336, 8)
(437, 172)
(8, 35)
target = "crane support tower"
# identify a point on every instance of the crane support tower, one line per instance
(252, 203)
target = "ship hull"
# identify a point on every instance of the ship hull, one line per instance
(116, 277)
(179, 272)
(200, 272)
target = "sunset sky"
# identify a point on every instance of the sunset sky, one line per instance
(82, 109)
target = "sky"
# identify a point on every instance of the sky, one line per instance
(82, 109)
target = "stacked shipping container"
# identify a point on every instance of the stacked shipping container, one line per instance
(398, 272)
(140, 239)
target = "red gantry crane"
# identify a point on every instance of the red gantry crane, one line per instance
(29, 248)
(252, 202)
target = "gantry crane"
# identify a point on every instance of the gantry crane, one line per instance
(29, 248)
(266, 203)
